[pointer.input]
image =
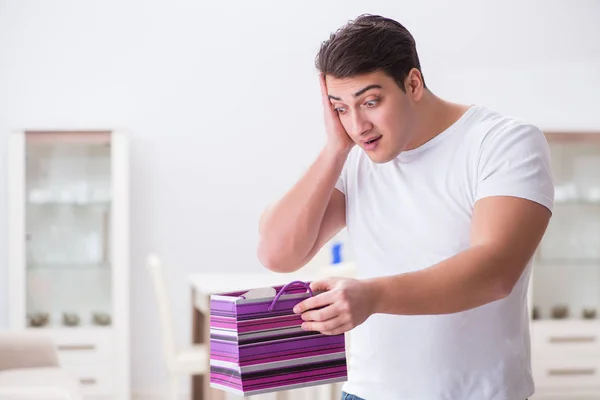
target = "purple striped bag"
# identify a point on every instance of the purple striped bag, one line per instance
(258, 346)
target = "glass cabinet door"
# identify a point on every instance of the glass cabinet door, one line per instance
(67, 221)
(566, 278)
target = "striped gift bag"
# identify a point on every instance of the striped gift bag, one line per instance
(257, 345)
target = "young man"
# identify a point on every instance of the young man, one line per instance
(444, 204)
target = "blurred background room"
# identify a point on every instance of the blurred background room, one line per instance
(141, 140)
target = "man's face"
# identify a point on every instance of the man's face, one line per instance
(375, 113)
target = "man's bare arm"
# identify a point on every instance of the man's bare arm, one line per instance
(313, 211)
(505, 234)
(294, 229)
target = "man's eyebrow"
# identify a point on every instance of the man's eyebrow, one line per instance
(361, 91)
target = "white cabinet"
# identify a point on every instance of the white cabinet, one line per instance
(565, 290)
(69, 250)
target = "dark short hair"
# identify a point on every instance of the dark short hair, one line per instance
(367, 44)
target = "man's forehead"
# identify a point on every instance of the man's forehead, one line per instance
(353, 86)
(358, 80)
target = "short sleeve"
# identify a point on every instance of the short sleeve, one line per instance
(342, 182)
(515, 161)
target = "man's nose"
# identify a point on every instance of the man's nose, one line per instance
(360, 124)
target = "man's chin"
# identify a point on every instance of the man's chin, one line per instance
(379, 157)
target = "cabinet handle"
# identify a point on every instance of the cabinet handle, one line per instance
(573, 339)
(87, 381)
(75, 347)
(572, 371)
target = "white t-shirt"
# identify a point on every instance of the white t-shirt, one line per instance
(414, 212)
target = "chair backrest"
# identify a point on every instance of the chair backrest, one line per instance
(164, 306)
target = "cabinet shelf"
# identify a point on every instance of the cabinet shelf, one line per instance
(70, 203)
(577, 202)
(573, 321)
(568, 263)
(55, 324)
(69, 266)
(566, 272)
(591, 206)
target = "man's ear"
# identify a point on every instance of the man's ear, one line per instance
(413, 84)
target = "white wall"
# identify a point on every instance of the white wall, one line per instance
(223, 105)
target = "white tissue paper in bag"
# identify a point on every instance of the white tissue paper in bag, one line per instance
(260, 293)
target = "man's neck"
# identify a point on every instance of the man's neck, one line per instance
(434, 116)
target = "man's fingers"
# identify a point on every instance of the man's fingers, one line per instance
(331, 325)
(322, 284)
(324, 299)
(324, 94)
(323, 314)
(339, 330)
(320, 300)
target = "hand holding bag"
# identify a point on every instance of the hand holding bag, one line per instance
(257, 345)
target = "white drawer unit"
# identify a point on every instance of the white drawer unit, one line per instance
(95, 380)
(566, 372)
(565, 337)
(90, 356)
(84, 348)
(566, 359)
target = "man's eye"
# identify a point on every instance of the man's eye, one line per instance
(371, 103)
(340, 110)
